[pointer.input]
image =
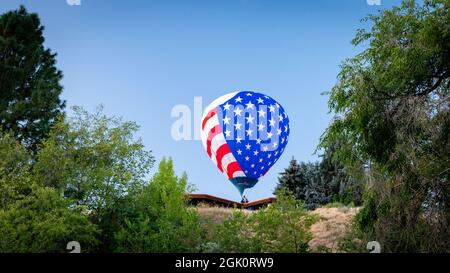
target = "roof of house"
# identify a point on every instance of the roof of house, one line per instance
(229, 203)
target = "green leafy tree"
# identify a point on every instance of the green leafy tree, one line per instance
(94, 161)
(29, 80)
(160, 219)
(391, 106)
(234, 235)
(14, 170)
(43, 222)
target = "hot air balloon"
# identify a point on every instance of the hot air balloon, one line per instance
(244, 134)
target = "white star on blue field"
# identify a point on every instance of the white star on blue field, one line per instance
(256, 129)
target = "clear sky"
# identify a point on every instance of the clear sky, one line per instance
(141, 58)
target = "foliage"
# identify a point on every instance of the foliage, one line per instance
(352, 242)
(14, 170)
(235, 234)
(161, 220)
(368, 215)
(95, 161)
(282, 227)
(320, 183)
(344, 184)
(29, 79)
(391, 106)
(43, 222)
(296, 178)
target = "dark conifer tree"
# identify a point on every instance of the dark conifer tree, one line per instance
(29, 80)
(293, 179)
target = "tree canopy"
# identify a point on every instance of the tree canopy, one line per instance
(160, 218)
(319, 183)
(29, 80)
(43, 222)
(391, 106)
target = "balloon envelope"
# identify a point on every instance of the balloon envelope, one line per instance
(244, 134)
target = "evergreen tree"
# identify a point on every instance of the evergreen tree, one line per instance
(293, 180)
(319, 183)
(341, 184)
(29, 79)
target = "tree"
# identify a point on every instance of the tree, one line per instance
(340, 183)
(14, 170)
(29, 79)
(391, 106)
(307, 183)
(321, 182)
(294, 178)
(94, 161)
(160, 219)
(42, 222)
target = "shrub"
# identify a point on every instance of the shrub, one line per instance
(160, 219)
(42, 222)
(281, 227)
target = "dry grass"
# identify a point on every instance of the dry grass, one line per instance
(327, 232)
(331, 228)
(215, 214)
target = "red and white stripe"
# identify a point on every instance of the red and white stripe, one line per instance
(215, 143)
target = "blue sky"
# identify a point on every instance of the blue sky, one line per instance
(141, 58)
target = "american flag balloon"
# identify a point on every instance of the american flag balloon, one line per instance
(244, 134)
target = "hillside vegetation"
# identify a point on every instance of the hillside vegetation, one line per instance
(331, 227)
